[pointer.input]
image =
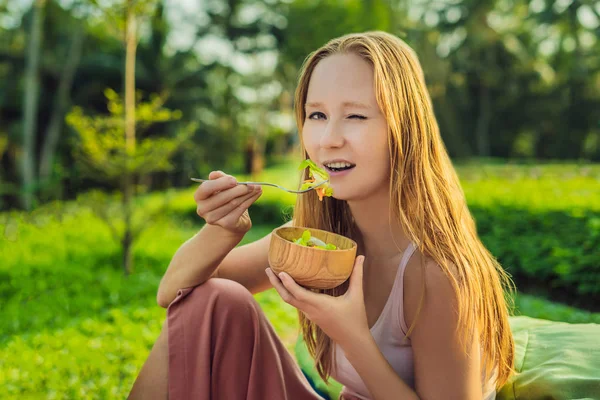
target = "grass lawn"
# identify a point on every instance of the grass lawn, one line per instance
(73, 326)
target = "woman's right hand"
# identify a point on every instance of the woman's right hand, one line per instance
(222, 202)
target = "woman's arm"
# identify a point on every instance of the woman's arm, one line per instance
(196, 261)
(375, 371)
(211, 253)
(443, 370)
(223, 204)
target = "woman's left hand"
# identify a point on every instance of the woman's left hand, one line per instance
(342, 318)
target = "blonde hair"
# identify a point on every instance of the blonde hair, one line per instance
(426, 197)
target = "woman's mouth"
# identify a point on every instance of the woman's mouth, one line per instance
(338, 168)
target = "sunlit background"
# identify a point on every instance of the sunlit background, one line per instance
(108, 107)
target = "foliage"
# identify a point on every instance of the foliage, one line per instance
(541, 221)
(101, 148)
(87, 329)
(84, 326)
(507, 78)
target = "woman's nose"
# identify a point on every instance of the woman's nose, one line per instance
(332, 136)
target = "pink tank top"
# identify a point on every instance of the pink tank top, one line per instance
(389, 332)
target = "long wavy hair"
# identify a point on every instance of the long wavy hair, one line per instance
(426, 197)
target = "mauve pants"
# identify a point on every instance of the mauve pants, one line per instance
(221, 346)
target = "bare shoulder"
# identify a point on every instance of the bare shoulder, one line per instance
(246, 264)
(444, 368)
(425, 278)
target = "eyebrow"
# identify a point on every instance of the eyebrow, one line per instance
(352, 104)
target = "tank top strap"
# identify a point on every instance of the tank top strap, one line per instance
(398, 289)
(389, 315)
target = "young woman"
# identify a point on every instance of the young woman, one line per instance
(423, 315)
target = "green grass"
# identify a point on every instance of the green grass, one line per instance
(84, 329)
(537, 307)
(83, 326)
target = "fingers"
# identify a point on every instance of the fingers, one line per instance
(219, 183)
(235, 206)
(304, 297)
(356, 279)
(220, 199)
(216, 174)
(283, 292)
(213, 197)
(239, 210)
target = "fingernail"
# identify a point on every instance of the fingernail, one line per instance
(281, 275)
(233, 181)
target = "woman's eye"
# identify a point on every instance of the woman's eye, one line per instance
(356, 116)
(318, 115)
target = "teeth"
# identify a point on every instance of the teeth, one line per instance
(339, 165)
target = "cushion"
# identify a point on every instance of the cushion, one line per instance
(553, 360)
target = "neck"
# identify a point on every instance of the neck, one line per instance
(382, 236)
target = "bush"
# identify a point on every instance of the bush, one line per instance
(543, 225)
(86, 329)
(96, 358)
(552, 252)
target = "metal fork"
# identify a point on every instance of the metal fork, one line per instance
(269, 184)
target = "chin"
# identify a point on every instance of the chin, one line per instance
(353, 194)
(342, 195)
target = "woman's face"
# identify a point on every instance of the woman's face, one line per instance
(345, 132)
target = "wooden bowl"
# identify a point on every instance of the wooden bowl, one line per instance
(311, 267)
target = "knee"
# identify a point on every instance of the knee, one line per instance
(217, 303)
(228, 291)
(223, 295)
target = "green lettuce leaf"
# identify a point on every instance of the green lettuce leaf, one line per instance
(314, 171)
(307, 240)
(320, 176)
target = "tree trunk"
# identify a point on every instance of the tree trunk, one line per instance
(452, 128)
(127, 240)
(256, 161)
(3, 146)
(30, 104)
(128, 179)
(254, 156)
(482, 130)
(249, 155)
(58, 113)
(259, 142)
(131, 45)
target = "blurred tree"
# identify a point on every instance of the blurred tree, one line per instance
(105, 153)
(508, 78)
(5, 185)
(330, 19)
(123, 16)
(30, 103)
(244, 92)
(36, 145)
(510, 63)
(60, 105)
